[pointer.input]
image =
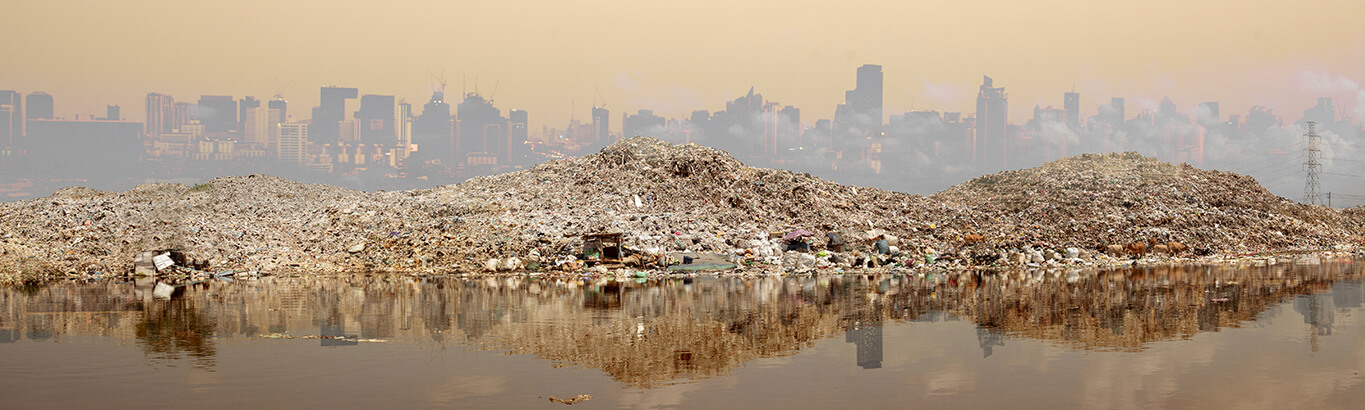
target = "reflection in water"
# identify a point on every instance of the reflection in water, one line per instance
(662, 331)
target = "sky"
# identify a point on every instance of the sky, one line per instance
(677, 56)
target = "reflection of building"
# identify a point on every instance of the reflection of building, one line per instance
(868, 338)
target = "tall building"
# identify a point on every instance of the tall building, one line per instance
(11, 117)
(247, 103)
(1325, 114)
(518, 125)
(992, 123)
(481, 130)
(1071, 103)
(217, 113)
(1207, 115)
(862, 110)
(644, 123)
(293, 147)
(376, 119)
(182, 114)
(325, 127)
(276, 114)
(160, 112)
(601, 124)
(405, 128)
(432, 132)
(111, 113)
(256, 125)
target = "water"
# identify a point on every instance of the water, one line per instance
(1271, 337)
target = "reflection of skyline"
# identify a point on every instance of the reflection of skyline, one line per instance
(645, 334)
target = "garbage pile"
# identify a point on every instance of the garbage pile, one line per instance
(671, 203)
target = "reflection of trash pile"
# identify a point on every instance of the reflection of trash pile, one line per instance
(670, 205)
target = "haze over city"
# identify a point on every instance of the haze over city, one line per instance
(1258, 61)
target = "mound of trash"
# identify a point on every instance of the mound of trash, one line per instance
(1093, 200)
(661, 200)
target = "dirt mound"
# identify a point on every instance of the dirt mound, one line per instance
(1092, 200)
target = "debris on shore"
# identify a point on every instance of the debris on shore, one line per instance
(666, 204)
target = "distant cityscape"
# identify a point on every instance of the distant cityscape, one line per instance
(376, 141)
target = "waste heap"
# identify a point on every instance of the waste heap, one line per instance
(1094, 200)
(663, 198)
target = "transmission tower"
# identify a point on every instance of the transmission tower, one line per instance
(1311, 195)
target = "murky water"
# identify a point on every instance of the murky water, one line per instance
(1273, 337)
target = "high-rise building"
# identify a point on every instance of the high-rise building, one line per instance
(601, 125)
(1207, 115)
(256, 125)
(376, 119)
(861, 113)
(433, 132)
(404, 129)
(276, 114)
(182, 114)
(293, 147)
(481, 130)
(518, 126)
(160, 112)
(11, 117)
(325, 127)
(644, 123)
(247, 103)
(1071, 103)
(992, 122)
(1325, 114)
(38, 106)
(217, 113)
(111, 113)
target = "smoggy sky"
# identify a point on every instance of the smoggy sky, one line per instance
(677, 56)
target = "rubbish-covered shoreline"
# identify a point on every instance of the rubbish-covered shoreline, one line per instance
(665, 204)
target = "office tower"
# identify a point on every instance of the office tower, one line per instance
(111, 113)
(247, 103)
(182, 114)
(325, 127)
(863, 105)
(11, 117)
(518, 124)
(256, 125)
(376, 119)
(217, 113)
(992, 112)
(1071, 103)
(432, 132)
(276, 114)
(601, 124)
(293, 143)
(160, 112)
(481, 130)
(404, 128)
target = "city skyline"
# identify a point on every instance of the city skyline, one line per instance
(1242, 54)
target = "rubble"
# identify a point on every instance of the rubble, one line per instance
(665, 200)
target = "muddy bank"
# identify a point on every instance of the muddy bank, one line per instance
(667, 199)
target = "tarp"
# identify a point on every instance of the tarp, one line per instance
(797, 234)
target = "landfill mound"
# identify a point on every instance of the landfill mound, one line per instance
(1093, 200)
(661, 198)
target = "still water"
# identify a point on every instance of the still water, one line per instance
(1268, 337)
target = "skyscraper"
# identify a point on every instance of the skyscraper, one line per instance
(601, 120)
(217, 113)
(404, 127)
(859, 118)
(111, 113)
(293, 143)
(1071, 102)
(11, 117)
(276, 114)
(325, 127)
(376, 119)
(244, 105)
(160, 112)
(481, 129)
(519, 124)
(992, 112)
(432, 132)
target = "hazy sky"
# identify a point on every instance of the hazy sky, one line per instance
(676, 56)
